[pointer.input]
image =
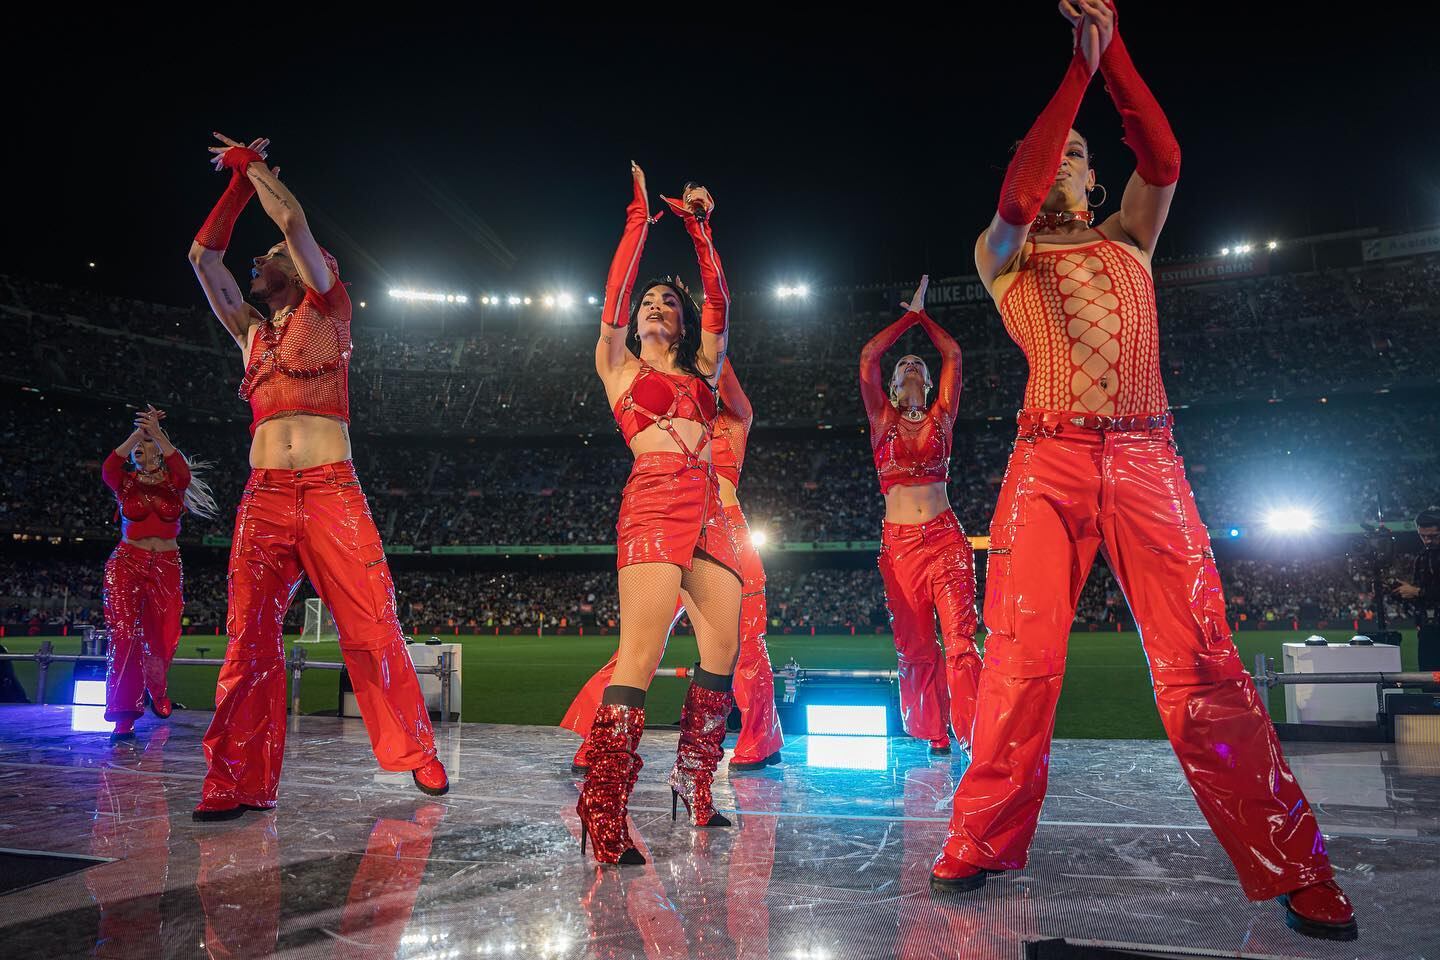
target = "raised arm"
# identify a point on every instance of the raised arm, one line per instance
(1146, 202)
(610, 352)
(878, 408)
(948, 395)
(112, 470)
(282, 207)
(148, 423)
(694, 211)
(1032, 169)
(734, 398)
(207, 252)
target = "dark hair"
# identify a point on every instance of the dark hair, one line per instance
(1089, 154)
(687, 349)
(1429, 517)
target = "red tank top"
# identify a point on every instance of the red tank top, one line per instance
(657, 397)
(1085, 318)
(912, 453)
(148, 509)
(302, 363)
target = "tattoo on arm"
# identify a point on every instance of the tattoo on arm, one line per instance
(271, 190)
(607, 338)
(225, 292)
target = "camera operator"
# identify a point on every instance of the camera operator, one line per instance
(1423, 594)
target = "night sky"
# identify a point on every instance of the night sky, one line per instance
(496, 160)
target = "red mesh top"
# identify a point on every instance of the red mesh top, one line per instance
(1085, 317)
(911, 453)
(658, 397)
(146, 509)
(727, 447)
(732, 427)
(301, 364)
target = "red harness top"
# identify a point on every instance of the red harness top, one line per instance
(655, 397)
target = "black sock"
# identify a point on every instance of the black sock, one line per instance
(718, 682)
(624, 696)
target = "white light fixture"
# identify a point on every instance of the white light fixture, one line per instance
(758, 538)
(1290, 520)
(847, 753)
(845, 720)
(90, 692)
(426, 296)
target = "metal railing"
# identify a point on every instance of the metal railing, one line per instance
(296, 663)
(1265, 677)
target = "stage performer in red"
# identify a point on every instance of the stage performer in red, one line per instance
(760, 737)
(925, 558)
(659, 363)
(1095, 468)
(143, 577)
(302, 513)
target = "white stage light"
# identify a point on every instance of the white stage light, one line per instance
(845, 720)
(1290, 520)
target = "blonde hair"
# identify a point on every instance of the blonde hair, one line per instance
(199, 498)
(895, 384)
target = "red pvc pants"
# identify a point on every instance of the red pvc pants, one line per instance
(313, 522)
(142, 612)
(1065, 496)
(929, 569)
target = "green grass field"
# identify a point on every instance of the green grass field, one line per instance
(531, 679)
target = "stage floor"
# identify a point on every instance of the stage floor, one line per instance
(830, 858)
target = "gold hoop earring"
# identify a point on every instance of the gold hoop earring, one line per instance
(1104, 195)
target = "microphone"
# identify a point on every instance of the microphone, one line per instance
(697, 206)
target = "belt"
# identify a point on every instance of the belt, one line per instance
(1058, 421)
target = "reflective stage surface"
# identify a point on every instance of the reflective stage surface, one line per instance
(830, 857)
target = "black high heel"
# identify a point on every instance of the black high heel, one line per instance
(716, 819)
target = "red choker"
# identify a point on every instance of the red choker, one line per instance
(1054, 221)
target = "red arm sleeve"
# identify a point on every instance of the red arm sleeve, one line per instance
(734, 398)
(626, 263)
(1032, 170)
(715, 314)
(178, 469)
(112, 471)
(950, 380)
(872, 380)
(1147, 131)
(215, 233)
